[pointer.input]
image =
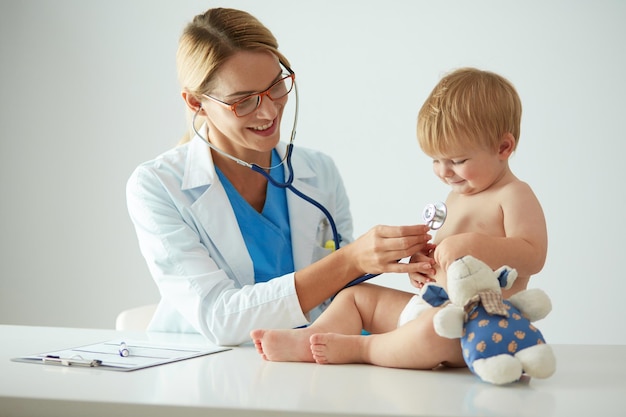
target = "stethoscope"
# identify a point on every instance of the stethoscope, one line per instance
(434, 214)
(288, 184)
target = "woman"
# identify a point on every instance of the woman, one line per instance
(228, 251)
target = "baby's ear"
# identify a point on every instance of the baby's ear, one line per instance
(507, 146)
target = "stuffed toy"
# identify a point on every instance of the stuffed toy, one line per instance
(499, 342)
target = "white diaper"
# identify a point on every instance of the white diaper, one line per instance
(412, 309)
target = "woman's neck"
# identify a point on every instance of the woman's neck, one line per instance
(251, 185)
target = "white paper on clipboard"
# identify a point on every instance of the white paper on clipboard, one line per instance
(106, 355)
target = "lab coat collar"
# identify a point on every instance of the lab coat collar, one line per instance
(199, 167)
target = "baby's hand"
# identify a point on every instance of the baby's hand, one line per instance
(426, 269)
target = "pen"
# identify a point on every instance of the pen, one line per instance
(79, 361)
(124, 352)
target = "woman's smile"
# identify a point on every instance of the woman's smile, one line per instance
(267, 129)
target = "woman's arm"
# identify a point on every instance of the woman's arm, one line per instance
(375, 252)
(197, 285)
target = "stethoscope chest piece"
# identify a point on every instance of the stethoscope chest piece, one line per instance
(434, 215)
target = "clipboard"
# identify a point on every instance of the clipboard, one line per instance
(107, 355)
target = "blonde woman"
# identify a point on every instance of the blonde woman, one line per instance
(228, 251)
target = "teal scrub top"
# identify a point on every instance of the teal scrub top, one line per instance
(267, 234)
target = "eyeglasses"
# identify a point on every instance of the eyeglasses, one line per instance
(250, 103)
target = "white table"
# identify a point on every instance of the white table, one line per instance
(590, 381)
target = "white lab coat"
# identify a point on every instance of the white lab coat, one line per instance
(190, 238)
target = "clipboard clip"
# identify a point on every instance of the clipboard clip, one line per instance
(73, 361)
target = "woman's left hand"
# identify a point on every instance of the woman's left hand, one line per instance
(379, 250)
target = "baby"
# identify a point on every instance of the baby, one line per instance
(470, 127)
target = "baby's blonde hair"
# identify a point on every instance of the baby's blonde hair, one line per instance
(468, 107)
(210, 39)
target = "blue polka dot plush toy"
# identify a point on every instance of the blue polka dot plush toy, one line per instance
(498, 339)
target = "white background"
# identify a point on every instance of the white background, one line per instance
(88, 91)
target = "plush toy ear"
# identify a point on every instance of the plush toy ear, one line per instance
(506, 276)
(434, 295)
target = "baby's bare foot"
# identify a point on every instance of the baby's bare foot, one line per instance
(290, 345)
(257, 336)
(337, 348)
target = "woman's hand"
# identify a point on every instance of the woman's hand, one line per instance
(380, 249)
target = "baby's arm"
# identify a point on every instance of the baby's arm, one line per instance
(523, 244)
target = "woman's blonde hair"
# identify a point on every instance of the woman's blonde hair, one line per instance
(209, 40)
(468, 107)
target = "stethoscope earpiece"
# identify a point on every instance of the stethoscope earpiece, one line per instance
(434, 215)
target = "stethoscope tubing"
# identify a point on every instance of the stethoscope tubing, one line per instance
(289, 185)
(331, 221)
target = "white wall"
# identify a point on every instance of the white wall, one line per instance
(88, 91)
